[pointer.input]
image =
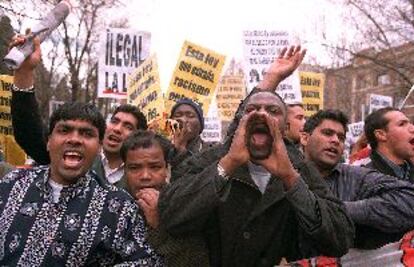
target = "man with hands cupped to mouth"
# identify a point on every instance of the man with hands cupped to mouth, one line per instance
(251, 198)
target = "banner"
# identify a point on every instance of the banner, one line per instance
(230, 91)
(123, 50)
(144, 90)
(212, 125)
(379, 101)
(260, 48)
(12, 152)
(196, 76)
(312, 86)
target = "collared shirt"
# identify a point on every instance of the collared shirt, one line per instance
(112, 175)
(259, 175)
(401, 171)
(89, 225)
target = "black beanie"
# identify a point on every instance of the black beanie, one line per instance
(195, 106)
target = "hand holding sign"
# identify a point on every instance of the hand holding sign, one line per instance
(283, 66)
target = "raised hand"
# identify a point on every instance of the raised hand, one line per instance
(283, 66)
(23, 76)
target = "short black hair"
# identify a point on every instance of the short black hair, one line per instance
(78, 111)
(145, 139)
(374, 121)
(292, 105)
(328, 114)
(134, 111)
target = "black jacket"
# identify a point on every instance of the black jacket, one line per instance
(244, 227)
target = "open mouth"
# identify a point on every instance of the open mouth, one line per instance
(259, 133)
(114, 139)
(412, 141)
(333, 152)
(72, 159)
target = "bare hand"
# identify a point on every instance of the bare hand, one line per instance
(23, 76)
(181, 137)
(278, 163)
(282, 67)
(147, 200)
(238, 153)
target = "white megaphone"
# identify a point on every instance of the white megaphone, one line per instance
(43, 29)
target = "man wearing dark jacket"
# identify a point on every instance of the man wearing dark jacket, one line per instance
(186, 138)
(391, 137)
(252, 203)
(380, 205)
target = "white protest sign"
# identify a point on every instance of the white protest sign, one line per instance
(260, 48)
(355, 130)
(122, 51)
(379, 101)
(212, 125)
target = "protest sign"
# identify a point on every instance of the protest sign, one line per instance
(196, 76)
(123, 50)
(144, 90)
(260, 48)
(212, 125)
(379, 101)
(355, 130)
(230, 91)
(12, 152)
(312, 86)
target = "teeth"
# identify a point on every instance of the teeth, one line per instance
(72, 154)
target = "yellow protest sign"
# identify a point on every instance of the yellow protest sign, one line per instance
(12, 152)
(312, 86)
(230, 91)
(144, 90)
(196, 76)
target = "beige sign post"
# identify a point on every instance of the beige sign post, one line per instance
(12, 152)
(196, 76)
(144, 90)
(312, 86)
(230, 91)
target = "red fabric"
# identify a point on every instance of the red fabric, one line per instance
(326, 262)
(407, 247)
(363, 153)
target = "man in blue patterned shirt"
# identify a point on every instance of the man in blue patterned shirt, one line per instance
(59, 214)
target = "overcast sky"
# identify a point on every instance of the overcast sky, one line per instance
(218, 24)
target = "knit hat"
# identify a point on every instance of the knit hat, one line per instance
(195, 106)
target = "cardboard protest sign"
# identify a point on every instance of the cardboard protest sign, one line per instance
(196, 76)
(230, 91)
(12, 152)
(312, 85)
(379, 101)
(123, 50)
(144, 90)
(260, 48)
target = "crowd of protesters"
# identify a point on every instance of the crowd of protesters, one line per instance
(275, 189)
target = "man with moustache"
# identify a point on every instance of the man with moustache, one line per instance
(29, 131)
(251, 202)
(391, 136)
(379, 205)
